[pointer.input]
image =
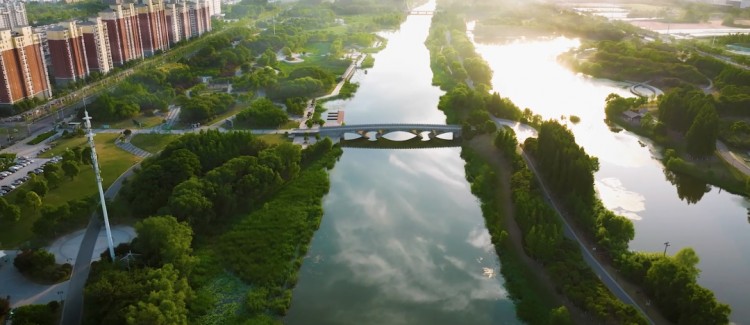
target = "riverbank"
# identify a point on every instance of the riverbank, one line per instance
(715, 170)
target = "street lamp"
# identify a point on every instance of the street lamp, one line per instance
(666, 244)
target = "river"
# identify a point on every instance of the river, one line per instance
(402, 240)
(631, 181)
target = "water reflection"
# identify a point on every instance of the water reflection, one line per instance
(689, 189)
(402, 240)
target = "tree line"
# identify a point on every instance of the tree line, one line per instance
(258, 204)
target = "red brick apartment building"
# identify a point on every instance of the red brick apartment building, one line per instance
(23, 73)
(67, 53)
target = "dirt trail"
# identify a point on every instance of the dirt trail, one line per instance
(483, 146)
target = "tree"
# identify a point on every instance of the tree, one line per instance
(164, 240)
(36, 315)
(70, 168)
(86, 156)
(560, 316)
(9, 212)
(263, 113)
(32, 200)
(689, 259)
(52, 173)
(702, 135)
(39, 185)
(166, 301)
(188, 203)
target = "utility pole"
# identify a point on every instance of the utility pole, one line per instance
(665, 248)
(97, 173)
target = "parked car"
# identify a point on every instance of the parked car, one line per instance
(8, 188)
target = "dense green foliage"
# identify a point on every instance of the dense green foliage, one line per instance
(566, 166)
(42, 137)
(136, 296)
(532, 304)
(561, 256)
(164, 240)
(9, 212)
(189, 156)
(40, 265)
(262, 113)
(37, 314)
(558, 157)
(672, 282)
(617, 104)
(452, 55)
(203, 107)
(637, 60)
(259, 249)
(692, 113)
(141, 92)
(211, 178)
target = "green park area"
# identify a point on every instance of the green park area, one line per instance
(113, 162)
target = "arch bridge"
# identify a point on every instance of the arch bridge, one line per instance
(338, 132)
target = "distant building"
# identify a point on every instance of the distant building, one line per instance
(152, 23)
(742, 4)
(67, 52)
(176, 21)
(23, 73)
(96, 45)
(123, 32)
(13, 14)
(200, 18)
(214, 7)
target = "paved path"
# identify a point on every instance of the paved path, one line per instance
(129, 147)
(24, 292)
(731, 158)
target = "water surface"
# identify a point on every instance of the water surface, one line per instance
(402, 240)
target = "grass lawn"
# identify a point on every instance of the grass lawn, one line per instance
(273, 139)
(152, 143)
(113, 162)
(334, 66)
(146, 122)
(59, 146)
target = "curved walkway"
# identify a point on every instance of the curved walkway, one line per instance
(731, 158)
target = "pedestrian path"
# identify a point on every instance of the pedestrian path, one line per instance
(129, 147)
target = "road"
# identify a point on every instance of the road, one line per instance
(722, 58)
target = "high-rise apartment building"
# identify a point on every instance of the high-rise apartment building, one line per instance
(152, 22)
(67, 53)
(124, 33)
(22, 70)
(200, 18)
(214, 7)
(13, 14)
(96, 45)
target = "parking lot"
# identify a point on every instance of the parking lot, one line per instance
(12, 180)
